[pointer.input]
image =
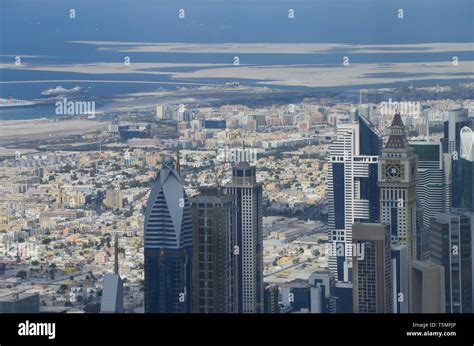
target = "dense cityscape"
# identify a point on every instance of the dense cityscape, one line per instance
(321, 206)
(274, 171)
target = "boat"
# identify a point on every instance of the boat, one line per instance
(59, 90)
(11, 102)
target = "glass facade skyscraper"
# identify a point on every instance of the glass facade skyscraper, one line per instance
(168, 244)
(249, 251)
(452, 247)
(353, 194)
(457, 142)
(463, 169)
(214, 261)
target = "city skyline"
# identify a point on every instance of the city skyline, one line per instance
(295, 169)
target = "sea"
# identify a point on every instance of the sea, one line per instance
(40, 32)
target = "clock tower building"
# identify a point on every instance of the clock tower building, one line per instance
(397, 182)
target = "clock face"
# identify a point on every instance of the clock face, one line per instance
(392, 171)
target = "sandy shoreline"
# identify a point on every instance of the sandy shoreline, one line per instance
(12, 131)
(302, 75)
(272, 48)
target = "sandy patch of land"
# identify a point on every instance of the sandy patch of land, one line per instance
(336, 75)
(109, 68)
(279, 48)
(104, 81)
(316, 75)
(12, 131)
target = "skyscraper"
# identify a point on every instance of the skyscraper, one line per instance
(168, 244)
(397, 176)
(452, 247)
(456, 120)
(463, 169)
(271, 299)
(428, 287)
(399, 279)
(397, 181)
(353, 195)
(431, 190)
(459, 168)
(249, 250)
(321, 286)
(430, 187)
(372, 290)
(214, 230)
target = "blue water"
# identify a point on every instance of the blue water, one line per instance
(43, 29)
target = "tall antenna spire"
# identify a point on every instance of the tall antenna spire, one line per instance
(116, 264)
(216, 171)
(178, 164)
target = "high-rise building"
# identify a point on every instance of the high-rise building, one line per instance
(428, 287)
(322, 301)
(467, 143)
(459, 168)
(249, 250)
(160, 111)
(431, 191)
(430, 186)
(353, 195)
(397, 176)
(342, 291)
(20, 303)
(399, 279)
(271, 304)
(168, 244)
(214, 232)
(397, 181)
(312, 295)
(372, 280)
(456, 120)
(463, 170)
(296, 295)
(422, 234)
(452, 247)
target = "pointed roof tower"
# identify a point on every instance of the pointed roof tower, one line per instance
(397, 138)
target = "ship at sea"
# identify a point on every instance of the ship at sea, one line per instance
(60, 91)
(11, 102)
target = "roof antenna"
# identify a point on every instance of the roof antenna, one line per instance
(116, 264)
(218, 181)
(178, 164)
